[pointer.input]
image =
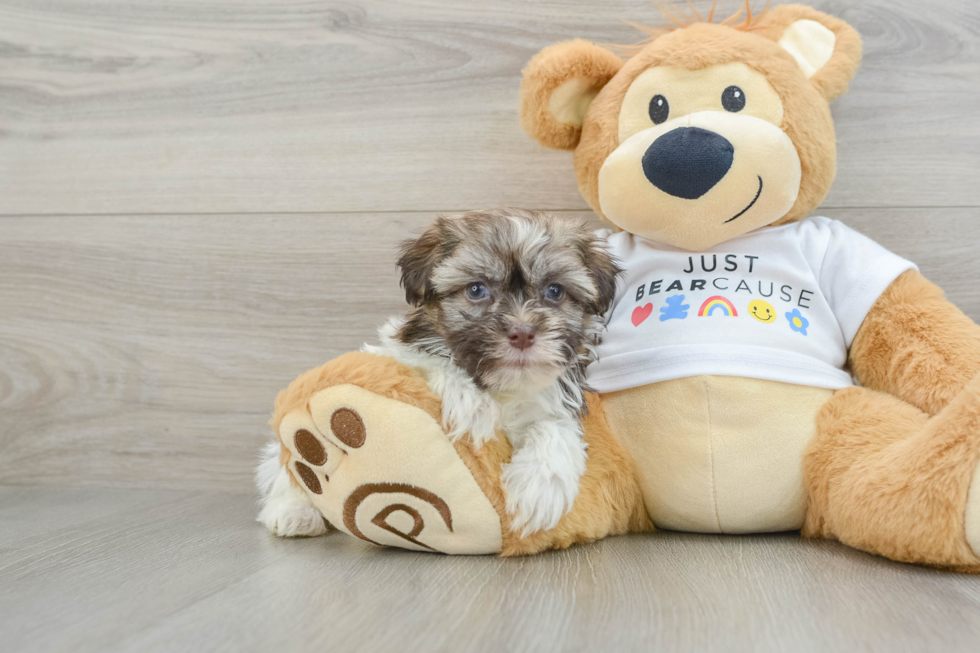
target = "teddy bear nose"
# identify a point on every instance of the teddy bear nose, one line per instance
(687, 162)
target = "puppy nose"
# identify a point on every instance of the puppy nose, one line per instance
(521, 336)
(687, 162)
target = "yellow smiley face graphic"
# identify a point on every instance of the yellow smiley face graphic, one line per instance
(762, 311)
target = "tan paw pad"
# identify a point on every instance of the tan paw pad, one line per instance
(348, 426)
(313, 457)
(385, 472)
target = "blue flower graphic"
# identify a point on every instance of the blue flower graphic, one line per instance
(797, 322)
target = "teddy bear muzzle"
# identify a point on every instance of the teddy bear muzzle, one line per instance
(700, 179)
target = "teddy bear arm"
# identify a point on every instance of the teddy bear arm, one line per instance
(916, 345)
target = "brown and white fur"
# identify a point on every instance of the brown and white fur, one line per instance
(508, 308)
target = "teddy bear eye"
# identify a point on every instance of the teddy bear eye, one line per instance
(659, 109)
(733, 99)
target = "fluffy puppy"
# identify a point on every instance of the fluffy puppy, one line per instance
(508, 308)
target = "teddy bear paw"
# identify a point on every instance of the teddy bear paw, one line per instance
(384, 471)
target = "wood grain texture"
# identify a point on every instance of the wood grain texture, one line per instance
(200, 199)
(133, 570)
(146, 350)
(232, 106)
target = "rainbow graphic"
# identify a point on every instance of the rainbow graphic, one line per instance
(717, 304)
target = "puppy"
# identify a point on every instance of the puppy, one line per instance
(508, 309)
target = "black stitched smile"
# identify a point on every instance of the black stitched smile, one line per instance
(742, 212)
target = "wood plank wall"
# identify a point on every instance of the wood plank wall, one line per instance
(201, 199)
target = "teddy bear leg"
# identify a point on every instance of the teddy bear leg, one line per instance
(887, 478)
(361, 437)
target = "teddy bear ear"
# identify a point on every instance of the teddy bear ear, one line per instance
(559, 84)
(827, 49)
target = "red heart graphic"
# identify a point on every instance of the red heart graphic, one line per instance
(641, 313)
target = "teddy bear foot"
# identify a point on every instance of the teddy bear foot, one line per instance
(887, 478)
(384, 471)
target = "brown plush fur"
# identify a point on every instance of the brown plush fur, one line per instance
(551, 68)
(916, 345)
(750, 23)
(884, 477)
(890, 473)
(609, 500)
(833, 78)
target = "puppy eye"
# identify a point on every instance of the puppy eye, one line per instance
(476, 291)
(733, 99)
(554, 292)
(659, 109)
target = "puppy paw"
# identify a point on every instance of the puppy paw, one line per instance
(286, 509)
(467, 411)
(539, 493)
(292, 519)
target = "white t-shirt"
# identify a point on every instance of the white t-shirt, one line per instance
(779, 303)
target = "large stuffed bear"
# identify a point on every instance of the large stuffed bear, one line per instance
(726, 397)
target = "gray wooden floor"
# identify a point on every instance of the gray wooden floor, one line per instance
(199, 200)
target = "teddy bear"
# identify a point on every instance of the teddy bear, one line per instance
(762, 370)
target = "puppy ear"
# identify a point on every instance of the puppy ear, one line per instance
(827, 49)
(559, 84)
(418, 259)
(604, 270)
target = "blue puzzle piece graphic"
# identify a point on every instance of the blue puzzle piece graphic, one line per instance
(675, 309)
